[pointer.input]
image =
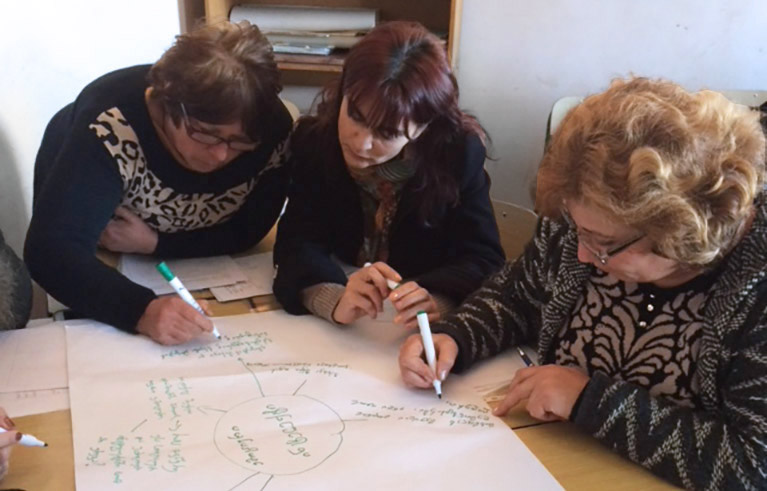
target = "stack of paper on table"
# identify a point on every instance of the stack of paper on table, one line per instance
(259, 273)
(195, 273)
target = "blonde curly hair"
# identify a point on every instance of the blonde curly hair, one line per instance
(683, 168)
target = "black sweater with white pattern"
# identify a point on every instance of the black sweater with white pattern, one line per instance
(722, 445)
(102, 151)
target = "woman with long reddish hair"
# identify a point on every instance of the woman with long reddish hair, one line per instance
(387, 175)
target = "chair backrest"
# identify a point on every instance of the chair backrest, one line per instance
(558, 111)
(751, 98)
(516, 226)
(295, 113)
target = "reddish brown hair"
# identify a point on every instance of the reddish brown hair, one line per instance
(399, 70)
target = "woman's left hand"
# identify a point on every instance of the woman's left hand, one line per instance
(7, 440)
(550, 390)
(126, 232)
(409, 299)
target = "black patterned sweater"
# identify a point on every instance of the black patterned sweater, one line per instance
(721, 443)
(102, 151)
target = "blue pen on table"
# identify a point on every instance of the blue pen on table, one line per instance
(182, 291)
(428, 348)
(390, 283)
(28, 440)
(525, 358)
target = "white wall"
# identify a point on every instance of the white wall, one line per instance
(517, 57)
(49, 50)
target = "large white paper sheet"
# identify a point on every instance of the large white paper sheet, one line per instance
(194, 273)
(259, 273)
(280, 403)
(33, 359)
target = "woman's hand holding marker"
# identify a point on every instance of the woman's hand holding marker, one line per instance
(371, 285)
(365, 292)
(413, 367)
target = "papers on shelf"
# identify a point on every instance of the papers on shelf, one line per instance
(291, 18)
(307, 30)
(342, 39)
(195, 273)
(302, 49)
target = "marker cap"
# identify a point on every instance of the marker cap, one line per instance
(165, 271)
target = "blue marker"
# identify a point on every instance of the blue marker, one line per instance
(182, 291)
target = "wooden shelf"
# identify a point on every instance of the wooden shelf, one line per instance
(315, 63)
(437, 15)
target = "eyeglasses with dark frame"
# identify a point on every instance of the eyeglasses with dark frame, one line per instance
(605, 256)
(209, 139)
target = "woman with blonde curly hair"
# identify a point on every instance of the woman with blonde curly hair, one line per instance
(644, 290)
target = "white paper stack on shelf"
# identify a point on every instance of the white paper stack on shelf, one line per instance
(307, 30)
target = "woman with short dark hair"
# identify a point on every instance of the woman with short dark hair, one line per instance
(388, 172)
(177, 159)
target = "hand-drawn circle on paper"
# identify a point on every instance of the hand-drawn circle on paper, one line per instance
(279, 435)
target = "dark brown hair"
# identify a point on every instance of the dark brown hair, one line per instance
(399, 70)
(221, 73)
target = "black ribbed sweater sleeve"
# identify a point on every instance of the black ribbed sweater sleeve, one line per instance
(71, 210)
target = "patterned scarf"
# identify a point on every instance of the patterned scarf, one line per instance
(379, 195)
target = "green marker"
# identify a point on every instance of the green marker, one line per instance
(182, 291)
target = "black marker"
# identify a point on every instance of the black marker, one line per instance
(525, 358)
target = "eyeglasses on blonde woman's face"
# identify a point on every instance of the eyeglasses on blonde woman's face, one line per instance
(602, 251)
(618, 249)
